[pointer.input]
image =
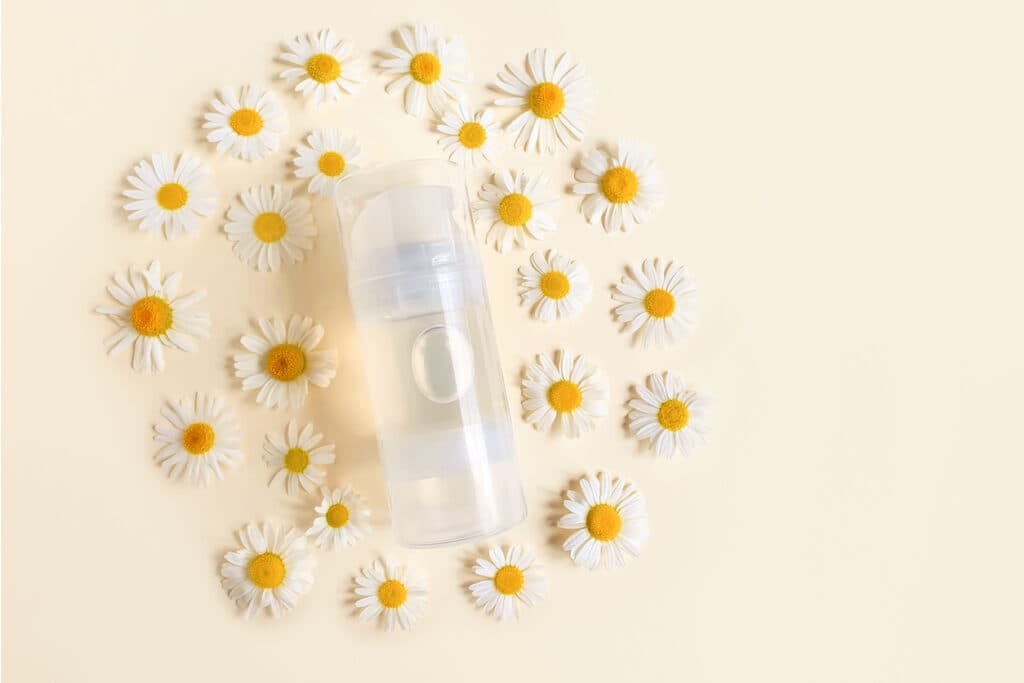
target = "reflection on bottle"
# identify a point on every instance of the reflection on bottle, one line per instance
(442, 363)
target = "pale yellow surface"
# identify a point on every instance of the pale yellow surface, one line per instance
(843, 178)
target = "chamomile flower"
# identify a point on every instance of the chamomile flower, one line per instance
(169, 195)
(427, 67)
(554, 94)
(609, 520)
(514, 207)
(324, 66)
(150, 315)
(468, 139)
(672, 416)
(569, 389)
(510, 578)
(658, 302)
(555, 286)
(621, 188)
(271, 569)
(270, 226)
(342, 518)
(326, 160)
(284, 361)
(389, 589)
(298, 460)
(201, 439)
(248, 124)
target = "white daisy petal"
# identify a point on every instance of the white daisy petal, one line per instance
(427, 69)
(656, 315)
(271, 571)
(620, 187)
(668, 414)
(268, 225)
(294, 464)
(326, 159)
(515, 207)
(611, 524)
(390, 594)
(554, 286)
(249, 124)
(324, 67)
(569, 390)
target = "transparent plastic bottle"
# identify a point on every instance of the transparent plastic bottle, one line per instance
(417, 290)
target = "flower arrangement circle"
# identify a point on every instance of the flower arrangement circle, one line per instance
(567, 389)
(342, 519)
(427, 68)
(169, 195)
(298, 460)
(467, 138)
(325, 159)
(200, 440)
(514, 208)
(284, 361)
(658, 302)
(271, 569)
(270, 226)
(670, 415)
(389, 592)
(620, 188)
(511, 578)
(249, 124)
(554, 286)
(323, 66)
(608, 519)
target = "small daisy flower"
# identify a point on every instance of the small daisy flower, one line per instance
(469, 139)
(571, 390)
(324, 66)
(270, 225)
(514, 208)
(170, 195)
(284, 362)
(271, 569)
(621, 189)
(658, 302)
(609, 519)
(326, 160)
(427, 68)
(151, 315)
(248, 124)
(673, 417)
(511, 578)
(299, 459)
(556, 286)
(202, 438)
(554, 94)
(390, 589)
(342, 518)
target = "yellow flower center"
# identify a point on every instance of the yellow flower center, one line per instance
(515, 209)
(296, 460)
(604, 522)
(269, 227)
(286, 362)
(171, 196)
(619, 185)
(509, 580)
(151, 316)
(472, 135)
(337, 516)
(267, 570)
(323, 68)
(547, 100)
(564, 396)
(554, 284)
(331, 164)
(198, 438)
(425, 68)
(392, 594)
(673, 415)
(246, 122)
(659, 303)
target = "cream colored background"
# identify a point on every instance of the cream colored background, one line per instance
(844, 179)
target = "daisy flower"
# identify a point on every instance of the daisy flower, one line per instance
(202, 437)
(556, 286)
(270, 225)
(427, 68)
(468, 139)
(298, 459)
(391, 590)
(326, 160)
(324, 66)
(514, 208)
(621, 189)
(342, 518)
(673, 417)
(271, 569)
(284, 361)
(657, 302)
(609, 519)
(570, 389)
(170, 195)
(151, 315)
(249, 124)
(510, 578)
(554, 94)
